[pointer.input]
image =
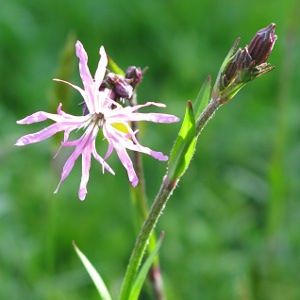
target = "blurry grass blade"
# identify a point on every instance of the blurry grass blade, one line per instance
(104, 294)
(113, 67)
(203, 97)
(184, 147)
(64, 70)
(138, 284)
(62, 92)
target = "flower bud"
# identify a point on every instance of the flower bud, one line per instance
(135, 74)
(121, 86)
(262, 44)
(246, 64)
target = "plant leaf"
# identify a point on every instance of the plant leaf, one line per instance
(104, 294)
(184, 147)
(137, 286)
(203, 97)
(224, 64)
(113, 67)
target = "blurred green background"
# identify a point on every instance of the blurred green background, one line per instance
(232, 225)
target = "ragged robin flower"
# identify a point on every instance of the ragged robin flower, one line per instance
(104, 114)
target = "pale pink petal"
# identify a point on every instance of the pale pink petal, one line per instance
(130, 109)
(109, 149)
(139, 148)
(126, 162)
(80, 90)
(86, 165)
(114, 143)
(128, 114)
(69, 164)
(150, 117)
(39, 117)
(43, 134)
(84, 70)
(86, 77)
(101, 69)
(133, 144)
(101, 160)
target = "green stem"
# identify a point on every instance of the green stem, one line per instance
(207, 114)
(143, 237)
(140, 202)
(156, 210)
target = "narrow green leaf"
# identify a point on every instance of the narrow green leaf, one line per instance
(229, 54)
(113, 67)
(104, 294)
(224, 64)
(137, 286)
(184, 147)
(203, 97)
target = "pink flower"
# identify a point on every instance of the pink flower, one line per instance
(103, 114)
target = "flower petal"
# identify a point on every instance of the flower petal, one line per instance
(115, 143)
(101, 69)
(86, 76)
(84, 70)
(80, 90)
(86, 165)
(101, 160)
(44, 133)
(81, 144)
(128, 114)
(150, 117)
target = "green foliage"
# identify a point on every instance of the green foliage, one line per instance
(113, 67)
(141, 277)
(184, 147)
(95, 276)
(203, 97)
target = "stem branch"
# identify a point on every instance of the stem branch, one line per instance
(155, 212)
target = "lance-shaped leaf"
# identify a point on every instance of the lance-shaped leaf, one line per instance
(184, 147)
(137, 286)
(113, 67)
(203, 97)
(104, 294)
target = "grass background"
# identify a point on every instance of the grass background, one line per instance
(232, 226)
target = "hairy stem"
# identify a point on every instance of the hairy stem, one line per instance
(156, 210)
(140, 202)
(207, 114)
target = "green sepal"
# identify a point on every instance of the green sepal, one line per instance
(231, 91)
(184, 147)
(223, 66)
(140, 279)
(113, 67)
(203, 97)
(103, 291)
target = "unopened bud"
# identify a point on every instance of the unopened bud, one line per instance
(246, 64)
(134, 74)
(262, 44)
(121, 86)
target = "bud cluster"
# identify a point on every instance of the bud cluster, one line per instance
(121, 87)
(245, 64)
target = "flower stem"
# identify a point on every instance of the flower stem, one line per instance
(207, 114)
(140, 202)
(156, 210)
(143, 238)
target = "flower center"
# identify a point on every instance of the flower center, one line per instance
(98, 119)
